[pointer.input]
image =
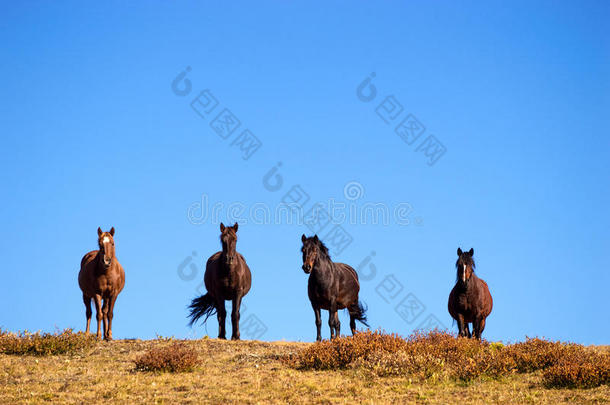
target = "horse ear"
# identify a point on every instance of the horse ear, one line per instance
(315, 237)
(222, 227)
(459, 252)
(471, 252)
(99, 231)
(235, 227)
(112, 231)
(303, 238)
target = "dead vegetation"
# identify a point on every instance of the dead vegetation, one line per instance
(178, 357)
(270, 372)
(440, 356)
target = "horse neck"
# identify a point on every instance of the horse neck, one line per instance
(322, 269)
(100, 268)
(230, 268)
(473, 282)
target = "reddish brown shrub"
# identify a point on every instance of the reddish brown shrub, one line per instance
(582, 369)
(537, 354)
(440, 355)
(339, 353)
(175, 358)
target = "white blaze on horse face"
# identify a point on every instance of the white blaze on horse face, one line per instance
(106, 239)
(464, 274)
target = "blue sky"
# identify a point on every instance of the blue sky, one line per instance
(93, 135)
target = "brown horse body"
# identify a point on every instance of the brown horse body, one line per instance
(331, 286)
(470, 300)
(227, 278)
(101, 278)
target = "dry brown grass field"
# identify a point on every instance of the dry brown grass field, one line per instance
(252, 372)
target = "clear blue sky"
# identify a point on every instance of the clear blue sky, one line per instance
(93, 135)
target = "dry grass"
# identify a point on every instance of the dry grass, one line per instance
(256, 372)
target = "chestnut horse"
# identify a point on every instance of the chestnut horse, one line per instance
(101, 277)
(331, 286)
(227, 277)
(469, 300)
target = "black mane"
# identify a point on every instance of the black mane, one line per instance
(471, 262)
(322, 247)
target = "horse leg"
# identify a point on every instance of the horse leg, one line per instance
(87, 301)
(235, 317)
(110, 315)
(105, 317)
(222, 315)
(317, 312)
(352, 324)
(331, 318)
(462, 326)
(97, 299)
(478, 328)
(337, 324)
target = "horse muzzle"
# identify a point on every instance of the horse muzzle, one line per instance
(306, 268)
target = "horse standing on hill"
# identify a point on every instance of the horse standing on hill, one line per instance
(331, 286)
(469, 300)
(101, 277)
(227, 277)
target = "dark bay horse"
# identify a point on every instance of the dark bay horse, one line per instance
(227, 277)
(101, 277)
(331, 286)
(469, 300)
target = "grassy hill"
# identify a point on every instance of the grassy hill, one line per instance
(251, 372)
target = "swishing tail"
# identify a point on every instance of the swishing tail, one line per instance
(201, 306)
(358, 312)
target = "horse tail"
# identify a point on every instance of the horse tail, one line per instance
(201, 306)
(358, 312)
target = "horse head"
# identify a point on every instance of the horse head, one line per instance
(313, 250)
(228, 239)
(465, 265)
(105, 240)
